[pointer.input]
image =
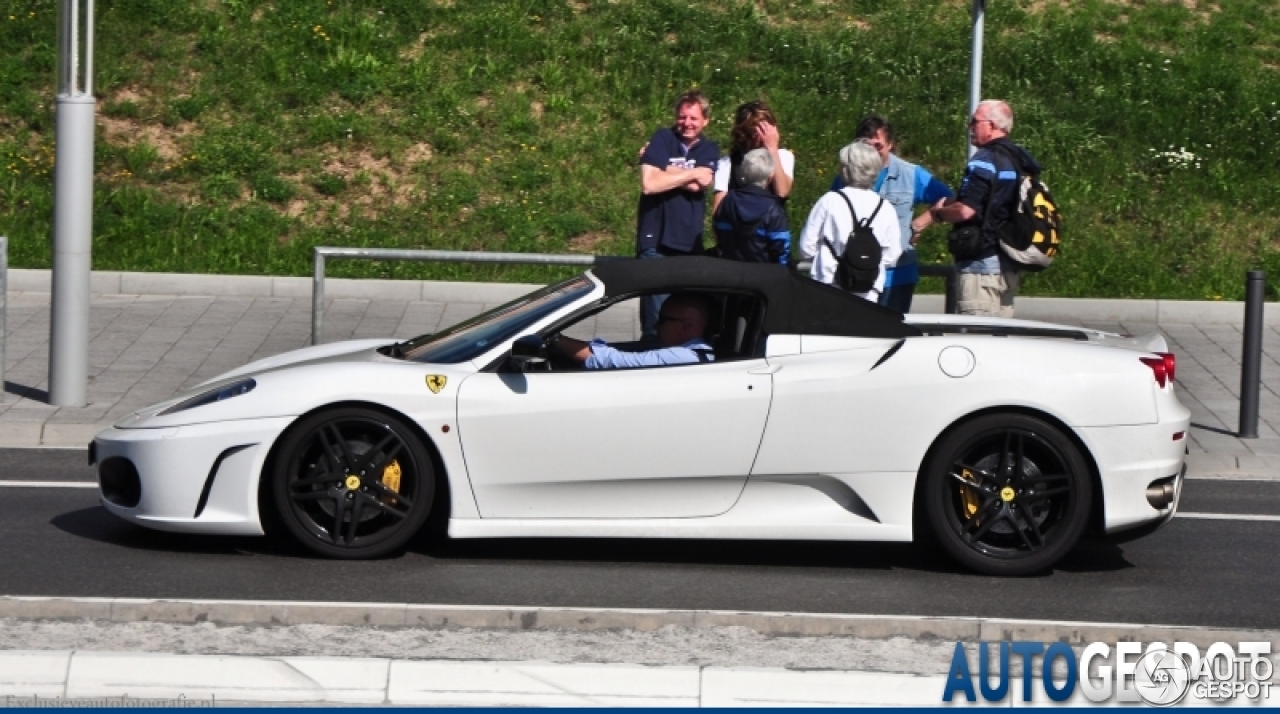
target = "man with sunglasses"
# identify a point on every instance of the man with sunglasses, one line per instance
(988, 195)
(681, 322)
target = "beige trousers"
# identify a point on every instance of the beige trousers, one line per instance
(988, 295)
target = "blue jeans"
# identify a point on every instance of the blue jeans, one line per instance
(898, 297)
(650, 305)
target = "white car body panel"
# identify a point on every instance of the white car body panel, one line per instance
(187, 454)
(316, 353)
(908, 400)
(394, 384)
(821, 438)
(777, 509)
(675, 442)
(1150, 342)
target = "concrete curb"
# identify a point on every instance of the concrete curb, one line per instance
(1031, 308)
(1243, 467)
(59, 678)
(53, 435)
(232, 612)
(80, 678)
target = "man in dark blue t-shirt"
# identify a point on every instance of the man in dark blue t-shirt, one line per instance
(676, 169)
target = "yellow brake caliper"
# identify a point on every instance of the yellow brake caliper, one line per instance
(391, 479)
(967, 495)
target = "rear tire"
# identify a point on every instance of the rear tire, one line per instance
(352, 483)
(1007, 494)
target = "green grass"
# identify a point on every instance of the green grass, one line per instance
(237, 135)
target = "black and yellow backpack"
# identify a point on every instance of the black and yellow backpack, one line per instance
(1032, 235)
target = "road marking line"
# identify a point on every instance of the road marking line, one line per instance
(50, 484)
(1228, 516)
(1256, 478)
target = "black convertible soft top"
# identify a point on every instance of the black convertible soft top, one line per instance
(795, 304)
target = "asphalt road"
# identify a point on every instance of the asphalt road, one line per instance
(1207, 572)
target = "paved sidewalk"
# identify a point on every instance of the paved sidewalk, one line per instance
(69, 678)
(147, 347)
(101, 679)
(57, 649)
(66, 661)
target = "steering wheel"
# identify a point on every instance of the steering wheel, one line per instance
(558, 361)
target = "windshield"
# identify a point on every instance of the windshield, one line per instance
(472, 338)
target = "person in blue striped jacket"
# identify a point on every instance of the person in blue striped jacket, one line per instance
(987, 197)
(750, 223)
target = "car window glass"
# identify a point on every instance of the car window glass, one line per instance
(471, 338)
(733, 329)
(620, 322)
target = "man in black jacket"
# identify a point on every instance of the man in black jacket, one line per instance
(751, 224)
(988, 195)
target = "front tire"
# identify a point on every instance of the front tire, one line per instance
(352, 483)
(1007, 494)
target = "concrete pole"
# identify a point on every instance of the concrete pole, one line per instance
(975, 66)
(317, 297)
(72, 207)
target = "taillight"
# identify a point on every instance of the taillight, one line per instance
(1163, 366)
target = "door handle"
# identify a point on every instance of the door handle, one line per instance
(767, 369)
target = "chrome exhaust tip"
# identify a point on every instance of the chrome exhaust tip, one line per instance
(1160, 493)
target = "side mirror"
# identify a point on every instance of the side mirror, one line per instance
(528, 350)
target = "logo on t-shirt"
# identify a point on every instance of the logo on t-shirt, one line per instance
(681, 162)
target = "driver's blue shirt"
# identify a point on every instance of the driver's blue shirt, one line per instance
(605, 357)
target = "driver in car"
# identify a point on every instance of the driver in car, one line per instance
(681, 324)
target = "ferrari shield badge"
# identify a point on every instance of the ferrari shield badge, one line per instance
(436, 382)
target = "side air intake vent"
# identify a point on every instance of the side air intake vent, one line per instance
(118, 479)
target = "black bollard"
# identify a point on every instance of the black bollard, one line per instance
(1251, 361)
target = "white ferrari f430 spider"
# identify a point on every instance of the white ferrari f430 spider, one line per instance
(821, 417)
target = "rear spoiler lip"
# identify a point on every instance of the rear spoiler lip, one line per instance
(1007, 327)
(1004, 331)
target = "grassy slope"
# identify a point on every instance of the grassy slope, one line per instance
(236, 135)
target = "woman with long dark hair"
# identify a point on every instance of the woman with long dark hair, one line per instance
(754, 127)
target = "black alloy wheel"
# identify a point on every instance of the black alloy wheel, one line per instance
(1008, 494)
(352, 483)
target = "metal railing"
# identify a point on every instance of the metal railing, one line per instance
(322, 253)
(946, 271)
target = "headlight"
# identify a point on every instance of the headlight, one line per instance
(219, 394)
